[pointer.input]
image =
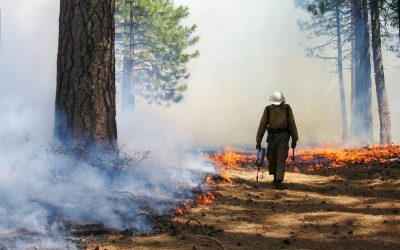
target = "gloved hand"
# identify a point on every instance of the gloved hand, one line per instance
(258, 146)
(294, 143)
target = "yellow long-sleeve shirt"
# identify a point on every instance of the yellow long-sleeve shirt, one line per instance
(278, 120)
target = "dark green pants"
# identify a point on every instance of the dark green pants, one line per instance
(277, 153)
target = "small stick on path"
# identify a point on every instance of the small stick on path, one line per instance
(258, 170)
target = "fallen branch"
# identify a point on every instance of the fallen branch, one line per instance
(193, 219)
(186, 224)
(211, 238)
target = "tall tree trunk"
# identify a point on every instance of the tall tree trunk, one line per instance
(383, 105)
(362, 117)
(340, 71)
(352, 72)
(367, 83)
(85, 97)
(128, 98)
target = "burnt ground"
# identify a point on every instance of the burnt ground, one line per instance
(356, 207)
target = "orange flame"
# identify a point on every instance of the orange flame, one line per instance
(200, 199)
(180, 211)
(228, 160)
(203, 199)
(331, 157)
(231, 159)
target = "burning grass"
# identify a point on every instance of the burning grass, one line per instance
(200, 199)
(307, 159)
(229, 160)
(330, 157)
(325, 156)
(225, 162)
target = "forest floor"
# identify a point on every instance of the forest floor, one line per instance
(352, 207)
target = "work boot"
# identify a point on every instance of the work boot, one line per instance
(279, 185)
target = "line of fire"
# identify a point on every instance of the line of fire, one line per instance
(173, 124)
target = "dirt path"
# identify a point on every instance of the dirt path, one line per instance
(350, 208)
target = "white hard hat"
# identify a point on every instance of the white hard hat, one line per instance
(277, 98)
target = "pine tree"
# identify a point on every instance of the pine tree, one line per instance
(330, 20)
(390, 12)
(383, 105)
(352, 22)
(362, 128)
(153, 45)
(85, 97)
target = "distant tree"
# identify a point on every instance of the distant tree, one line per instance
(338, 20)
(339, 24)
(126, 27)
(383, 105)
(85, 95)
(391, 13)
(153, 44)
(330, 24)
(361, 127)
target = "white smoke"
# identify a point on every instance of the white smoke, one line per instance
(41, 191)
(249, 50)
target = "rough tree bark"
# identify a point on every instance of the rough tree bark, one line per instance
(85, 97)
(340, 71)
(362, 116)
(128, 98)
(383, 105)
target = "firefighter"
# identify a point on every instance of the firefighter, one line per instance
(279, 121)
